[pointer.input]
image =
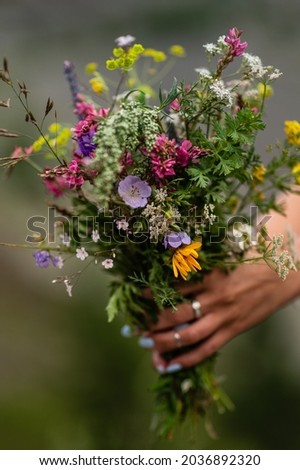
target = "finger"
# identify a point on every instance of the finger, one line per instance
(201, 352)
(209, 282)
(159, 363)
(169, 318)
(191, 334)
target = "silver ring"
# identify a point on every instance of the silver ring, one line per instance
(177, 339)
(197, 309)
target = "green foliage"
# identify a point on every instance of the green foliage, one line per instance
(123, 300)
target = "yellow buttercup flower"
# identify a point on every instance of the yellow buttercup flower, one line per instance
(157, 56)
(292, 131)
(177, 50)
(54, 127)
(97, 85)
(265, 90)
(64, 136)
(91, 68)
(259, 172)
(39, 143)
(125, 58)
(296, 172)
(183, 260)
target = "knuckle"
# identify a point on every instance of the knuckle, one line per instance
(208, 349)
(190, 336)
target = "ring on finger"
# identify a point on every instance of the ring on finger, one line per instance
(197, 308)
(177, 339)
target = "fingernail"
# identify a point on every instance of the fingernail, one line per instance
(126, 331)
(160, 368)
(173, 368)
(146, 342)
(181, 327)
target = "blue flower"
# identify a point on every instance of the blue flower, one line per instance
(86, 144)
(134, 191)
(43, 259)
(175, 239)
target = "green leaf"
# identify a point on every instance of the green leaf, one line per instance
(123, 300)
(198, 177)
(172, 95)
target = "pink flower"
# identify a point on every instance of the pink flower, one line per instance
(163, 157)
(163, 168)
(62, 178)
(233, 39)
(73, 175)
(126, 160)
(175, 106)
(21, 153)
(187, 153)
(84, 109)
(55, 185)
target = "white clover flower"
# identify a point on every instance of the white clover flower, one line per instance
(212, 49)
(108, 263)
(275, 74)
(221, 41)
(221, 92)
(253, 65)
(283, 261)
(60, 262)
(161, 195)
(203, 72)
(277, 240)
(160, 222)
(125, 41)
(208, 214)
(243, 236)
(95, 236)
(122, 224)
(81, 253)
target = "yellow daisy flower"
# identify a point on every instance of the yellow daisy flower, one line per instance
(183, 260)
(259, 172)
(177, 50)
(292, 131)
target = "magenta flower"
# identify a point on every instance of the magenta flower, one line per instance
(233, 39)
(163, 168)
(134, 191)
(175, 239)
(163, 157)
(187, 153)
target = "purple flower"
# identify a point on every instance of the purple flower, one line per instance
(43, 259)
(86, 144)
(175, 239)
(134, 191)
(233, 39)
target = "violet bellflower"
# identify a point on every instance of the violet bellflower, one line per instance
(134, 191)
(175, 239)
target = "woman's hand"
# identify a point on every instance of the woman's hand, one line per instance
(230, 305)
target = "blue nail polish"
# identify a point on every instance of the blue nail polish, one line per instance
(146, 342)
(173, 368)
(126, 331)
(181, 327)
(160, 368)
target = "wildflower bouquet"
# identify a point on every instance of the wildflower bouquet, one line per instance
(159, 188)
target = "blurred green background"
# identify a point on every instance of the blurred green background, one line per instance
(68, 380)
